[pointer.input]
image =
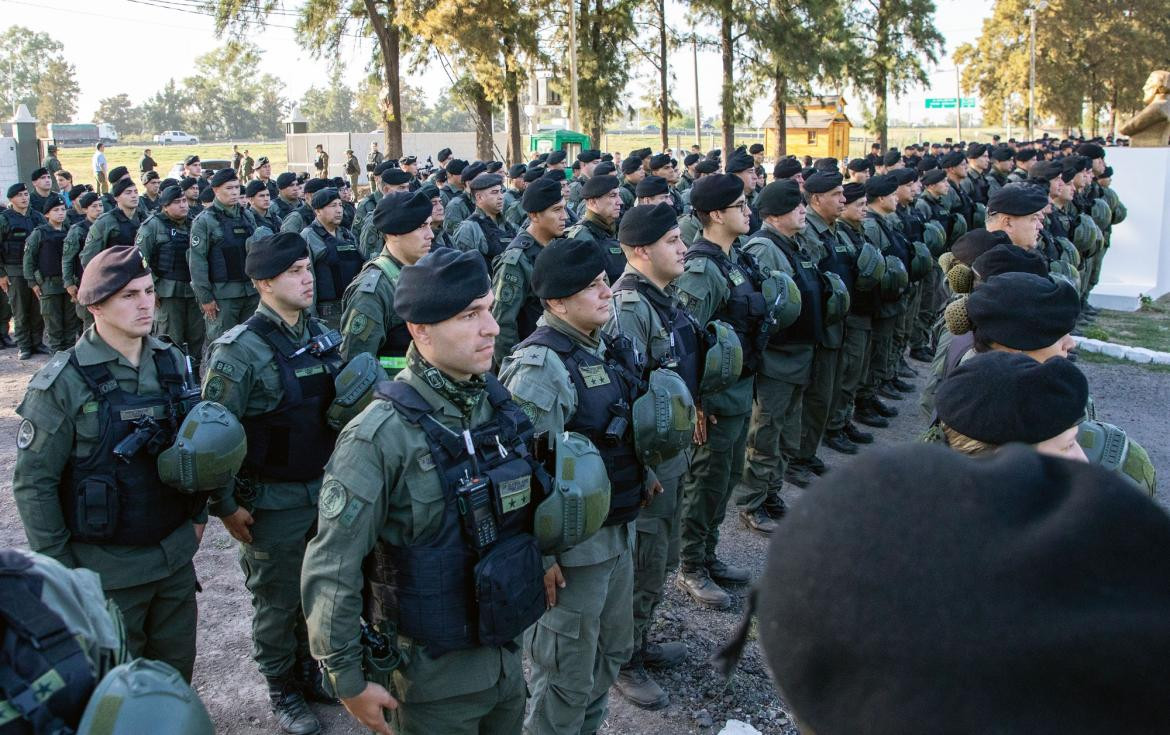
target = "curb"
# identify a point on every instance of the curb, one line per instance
(1140, 355)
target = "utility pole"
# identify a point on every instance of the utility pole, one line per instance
(1040, 6)
(698, 116)
(574, 110)
(958, 107)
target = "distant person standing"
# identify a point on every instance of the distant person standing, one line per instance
(352, 169)
(146, 164)
(248, 166)
(322, 162)
(374, 157)
(237, 159)
(100, 169)
(53, 164)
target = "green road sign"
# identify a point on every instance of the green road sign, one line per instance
(948, 103)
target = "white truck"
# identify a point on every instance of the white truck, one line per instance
(175, 136)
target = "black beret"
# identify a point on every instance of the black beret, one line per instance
(1090, 150)
(533, 173)
(441, 176)
(857, 164)
(187, 182)
(1002, 397)
(630, 164)
(285, 180)
(891, 157)
(455, 166)
(905, 175)
(494, 166)
(1045, 170)
(270, 256)
(589, 155)
(167, 182)
(1018, 200)
(402, 212)
(1023, 311)
(740, 161)
(88, 198)
(517, 170)
(949, 160)
(338, 182)
(826, 164)
(715, 153)
(707, 166)
(853, 191)
(429, 190)
(607, 157)
(122, 185)
(388, 164)
(1107, 173)
(395, 176)
(312, 186)
(927, 163)
(171, 193)
(117, 172)
(207, 195)
(109, 272)
(716, 191)
(223, 176)
(38, 173)
(485, 181)
(556, 174)
(540, 195)
(556, 157)
(190, 160)
(659, 160)
(566, 266)
(641, 153)
(473, 169)
(778, 198)
(646, 224)
(262, 161)
(976, 242)
(542, 158)
(756, 148)
(880, 185)
(691, 159)
(1001, 153)
(52, 201)
(408, 160)
(786, 168)
(77, 191)
(975, 150)
(443, 154)
(1001, 563)
(598, 186)
(1073, 165)
(651, 186)
(933, 176)
(1025, 154)
(254, 187)
(605, 168)
(440, 285)
(325, 197)
(1004, 258)
(822, 181)
(150, 176)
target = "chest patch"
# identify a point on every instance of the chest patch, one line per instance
(736, 278)
(515, 494)
(594, 375)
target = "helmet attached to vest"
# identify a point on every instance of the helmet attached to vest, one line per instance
(895, 279)
(723, 362)
(836, 298)
(935, 238)
(1086, 235)
(921, 261)
(1064, 271)
(208, 451)
(1101, 213)
(663, 418)
(1068, 251)
(782, 296)
(354, 386)
(980, 216)
(958, 227)
(578, 503)
(1110, 447)
(871, 267)
(145, 696)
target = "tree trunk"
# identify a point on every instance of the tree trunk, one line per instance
(663, 76)
(780, 115)
(514, 154)
(388, 44)
(881, 89)
(484, 141)
(728, 97)
(1113, 114)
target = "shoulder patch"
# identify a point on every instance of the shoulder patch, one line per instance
(697, 265)
(536, 393)
(376, 414)
(534, 356)
(510, 256)
(368, 281)
(46, 376)
(232, 334)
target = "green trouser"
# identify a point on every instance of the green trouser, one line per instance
(880, 367)
(578, 647)
(181, 319)
(828, 366)
(931, 300)
(62, 327)
(5, 313)
(1091, 274)
(777, 405)
(656, 553)
(160, 618)
(715, 469)
(232, 311)
(28, 329)
(498, 710)
(272, 573)
(905, 323)
(856, 349)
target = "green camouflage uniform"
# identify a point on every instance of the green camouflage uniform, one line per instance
(368, 315)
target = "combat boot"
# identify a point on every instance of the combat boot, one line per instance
(724, 574)
(856, 435)
(798, 475)
(289, 706)
(888, 391)
(839, 442)
(775, 506)
(663, 655)
(901, 385)
(882, 409)
(865, 414)
(308, 677)
(697, 583)
(758, 521)
(639, 688)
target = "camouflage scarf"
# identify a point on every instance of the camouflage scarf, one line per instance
(464, 395)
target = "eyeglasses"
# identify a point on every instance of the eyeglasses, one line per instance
(739, 205)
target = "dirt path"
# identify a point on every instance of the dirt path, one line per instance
(234, 692)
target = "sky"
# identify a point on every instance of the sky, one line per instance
(157, 40)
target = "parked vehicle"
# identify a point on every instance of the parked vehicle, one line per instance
(74, 134)
(175, 136)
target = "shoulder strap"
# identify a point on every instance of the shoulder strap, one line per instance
(548, 337)
(416, 410)
(264, 327)
(388, 267)
(97, 377)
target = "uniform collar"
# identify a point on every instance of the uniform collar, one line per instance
(432, 396)
(296, 332)
(91, 349)
(590, 343)
(817, 222)
(590, 216)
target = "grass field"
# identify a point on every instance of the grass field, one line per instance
(1147, 327)
(77, 160)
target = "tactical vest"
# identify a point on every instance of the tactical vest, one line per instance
(225, 259)
(912, 224)
(899, 246)
(862, 303)
(809, 327)
(281, 208)
(169, 259)
(125, 233)
(497, 237)
(269, 220)
(85, 225)
(530, 310)
(839, 260)
(45, 677)
(744, 310)
(52, 249)
(980, 187)
(392, 352)
(20, 226)
(457, 590)
(107, 500)
(337, 266)
(966, 208)
(615, 259)
(685, 355)
(605, 392)
(292, 442)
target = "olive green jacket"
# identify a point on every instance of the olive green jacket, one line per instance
(206, 235)
(154, 233)
(368, 314)
(106, 225)
(50, 286)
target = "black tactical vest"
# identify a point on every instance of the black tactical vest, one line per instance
(84, 224)
(899, 246)
(107, 500)
(809, 327)
(126, 231)
(225, 259)
(605, 392)
(169, 259)
(531, 310)
(980, 187)
(497, 237)
(457, 590)
(292, 442)
(615, 259)
(20, 226)
(337, 266)
(966, 208)
(861, 303)
(685, 355)
(52, 249)
(744, 309)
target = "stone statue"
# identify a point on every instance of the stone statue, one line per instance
(1150, 128)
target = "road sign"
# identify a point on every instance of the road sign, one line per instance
(948, 103)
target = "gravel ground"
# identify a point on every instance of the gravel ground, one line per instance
(1130, 396)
